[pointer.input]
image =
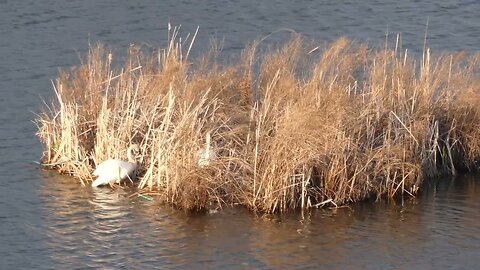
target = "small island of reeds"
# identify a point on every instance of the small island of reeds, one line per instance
(296, 126)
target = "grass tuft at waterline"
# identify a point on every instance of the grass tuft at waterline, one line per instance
(311, 126)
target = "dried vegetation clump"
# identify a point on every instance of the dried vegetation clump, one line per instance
(309, 128)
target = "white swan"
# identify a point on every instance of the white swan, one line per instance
(114, 170)
(206, 154)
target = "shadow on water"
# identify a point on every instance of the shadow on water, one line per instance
(98, 227)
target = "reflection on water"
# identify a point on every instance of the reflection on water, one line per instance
(113, 229)
(50, 222)
(98, 227)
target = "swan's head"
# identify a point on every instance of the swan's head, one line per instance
(135, 147)
(133, 152)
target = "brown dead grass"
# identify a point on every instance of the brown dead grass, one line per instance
(320, 127)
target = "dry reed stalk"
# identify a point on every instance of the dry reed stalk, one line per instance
(314, 127)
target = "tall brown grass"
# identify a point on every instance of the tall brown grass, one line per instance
(314, 127)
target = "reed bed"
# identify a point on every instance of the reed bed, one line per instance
(310, 128)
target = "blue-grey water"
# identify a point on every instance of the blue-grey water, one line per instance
(48, 221)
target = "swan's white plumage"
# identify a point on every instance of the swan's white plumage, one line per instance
(114, 170)
(206, 154)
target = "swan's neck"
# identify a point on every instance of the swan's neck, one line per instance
(207, 143)
(130, 156)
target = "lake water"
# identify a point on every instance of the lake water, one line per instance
(48, 221)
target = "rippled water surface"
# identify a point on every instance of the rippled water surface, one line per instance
(50, 222)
